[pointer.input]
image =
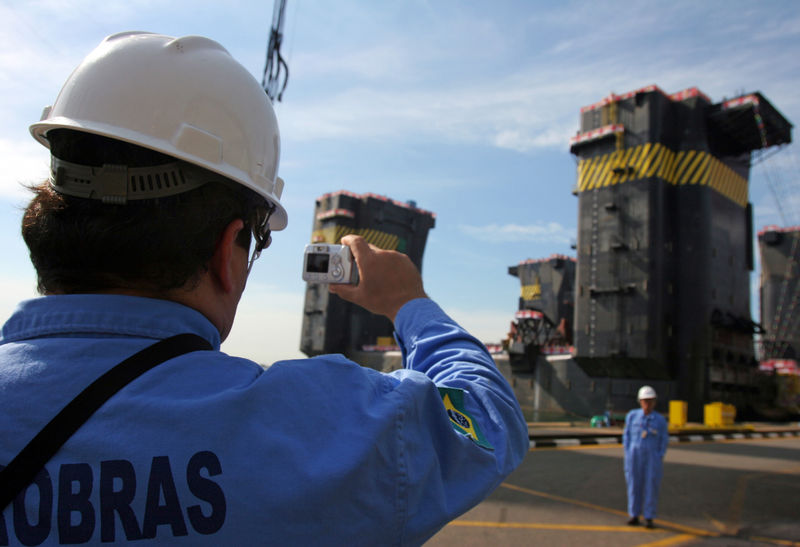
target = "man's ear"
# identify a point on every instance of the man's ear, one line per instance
(222, 266)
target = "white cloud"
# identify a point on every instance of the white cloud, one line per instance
(532, 102)
(514, 115)
(383, 62)
(521, 139)
(24, 162)
(551, 232)
(789, 27)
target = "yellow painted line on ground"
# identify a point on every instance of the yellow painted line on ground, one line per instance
(575, 447)
(737, 502)
(541, 526)
(690, 534)
(687, 529)
(661, 523)
(564, 500)
(717, 524)
(682, 539)
(775, 541)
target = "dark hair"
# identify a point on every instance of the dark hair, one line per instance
(80, 245)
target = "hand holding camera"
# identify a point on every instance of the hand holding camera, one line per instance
(387, 279)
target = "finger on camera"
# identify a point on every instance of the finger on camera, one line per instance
(342, 290)
(358, 245)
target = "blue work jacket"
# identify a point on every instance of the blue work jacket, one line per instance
(210, 449)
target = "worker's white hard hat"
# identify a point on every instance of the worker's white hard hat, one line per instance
(184, 97)
(646, 392)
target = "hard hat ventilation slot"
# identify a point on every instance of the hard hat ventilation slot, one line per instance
(154, 182)
(119, 183)
(163, 182)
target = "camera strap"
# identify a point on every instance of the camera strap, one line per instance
(22, 470)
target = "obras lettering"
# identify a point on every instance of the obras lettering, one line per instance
(81, 506)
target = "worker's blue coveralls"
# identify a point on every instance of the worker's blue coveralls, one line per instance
(645, 440)
(210, 449)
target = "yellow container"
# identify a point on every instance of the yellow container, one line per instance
(719, 414)
(678, 411)
(385, 341)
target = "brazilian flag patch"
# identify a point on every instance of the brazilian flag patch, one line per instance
(462, 422)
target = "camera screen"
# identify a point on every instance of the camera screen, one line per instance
(317, 262)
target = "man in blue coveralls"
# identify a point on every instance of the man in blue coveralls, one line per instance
(163, 191)
(645, 440)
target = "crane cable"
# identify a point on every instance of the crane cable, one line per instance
(271, 81)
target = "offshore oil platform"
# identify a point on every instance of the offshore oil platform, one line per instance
(659, 291)
(780, 292)
(665, 251)
(333, 325)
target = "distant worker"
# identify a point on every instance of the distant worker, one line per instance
(164, 156)
(645, 440)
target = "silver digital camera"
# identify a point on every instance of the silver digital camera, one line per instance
(329, 263)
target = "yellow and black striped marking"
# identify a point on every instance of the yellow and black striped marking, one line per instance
(684, 168)
(532, 292)
(382, 240)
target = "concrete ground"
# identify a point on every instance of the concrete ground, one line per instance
(719, 489)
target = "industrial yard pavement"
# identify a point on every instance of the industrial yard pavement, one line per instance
(718, 489)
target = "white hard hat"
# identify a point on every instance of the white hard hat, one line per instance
(646, 392)
(184, 97)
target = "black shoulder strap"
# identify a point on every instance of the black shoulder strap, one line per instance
(24, 467)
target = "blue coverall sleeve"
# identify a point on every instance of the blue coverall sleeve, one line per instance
(626, 432)
(663, 437)
(452, 468)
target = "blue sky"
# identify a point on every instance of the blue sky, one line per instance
(465, 107)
